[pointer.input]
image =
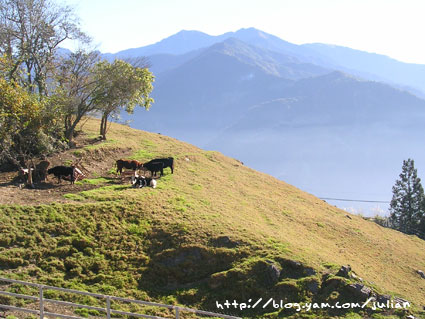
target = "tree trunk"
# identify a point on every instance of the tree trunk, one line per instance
(69, 134)
(30, 181)
(104, 125)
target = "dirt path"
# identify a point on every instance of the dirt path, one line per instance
(95, 163)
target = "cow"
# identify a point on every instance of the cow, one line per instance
(142, 181)
(78, 174)
(153, 167)
(63, 171)
(167, 162)
(129, 164)
(23, 174)
(41, 170)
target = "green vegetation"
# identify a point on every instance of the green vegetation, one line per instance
(45, 95)
(205, 234)
(407, 208)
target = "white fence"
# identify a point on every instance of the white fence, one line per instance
(108, 311)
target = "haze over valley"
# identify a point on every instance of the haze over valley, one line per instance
(330, 120)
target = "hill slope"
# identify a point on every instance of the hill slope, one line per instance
(340, 137)
(213, 230)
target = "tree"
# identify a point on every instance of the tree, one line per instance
(21, 123)
(76, 85)
(120, 86)
(421, 228)
(30, 33)
(406, 207)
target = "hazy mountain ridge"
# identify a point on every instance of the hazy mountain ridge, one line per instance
(179, 43)
(370, 66)
(329, 132)
(374, 66)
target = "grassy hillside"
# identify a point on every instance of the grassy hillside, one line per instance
(213, 230)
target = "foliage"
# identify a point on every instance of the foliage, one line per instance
(120, 85)
(24, 124)
(67, 86)
(30, 33)
(407, 204)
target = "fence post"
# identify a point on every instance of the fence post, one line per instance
(108, 307)
(177, 312)
(41, 302)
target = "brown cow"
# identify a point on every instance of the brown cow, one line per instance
(41, 170)
(129, 164)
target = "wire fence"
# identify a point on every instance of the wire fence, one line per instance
(108, 310)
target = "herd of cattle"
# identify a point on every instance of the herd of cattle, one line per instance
(72, 173)
(153, 166)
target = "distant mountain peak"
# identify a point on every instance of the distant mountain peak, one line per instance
(254, 33)
(186, 33)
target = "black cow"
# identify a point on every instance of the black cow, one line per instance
(63, 171)
(154, 167)
(167, 162)
(141, 181)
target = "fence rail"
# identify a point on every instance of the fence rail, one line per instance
(107, 310)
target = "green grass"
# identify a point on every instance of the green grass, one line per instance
(142, 155)
(75, 197)
(206, 233)
(100, 145)
(94, 181)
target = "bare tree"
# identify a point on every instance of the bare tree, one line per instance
(30, 33)
(75, 87)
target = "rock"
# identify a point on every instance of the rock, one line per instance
(400, 301)
(354, 276)
(421, 273)
(360, 290)
(308, 271)
(334, 283)
(313, 286)
(225, 241)
(383, 299)
(272, 274)
(193, 253)
(344, 271)
(294, 263)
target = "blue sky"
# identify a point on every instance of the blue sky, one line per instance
(391, 27)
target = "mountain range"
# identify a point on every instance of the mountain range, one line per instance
(332, 120)
(364, 64)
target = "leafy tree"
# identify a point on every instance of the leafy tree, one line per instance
(30, 33)
(421, 227)
(67, 86)
(120, 86)
(406, 207)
